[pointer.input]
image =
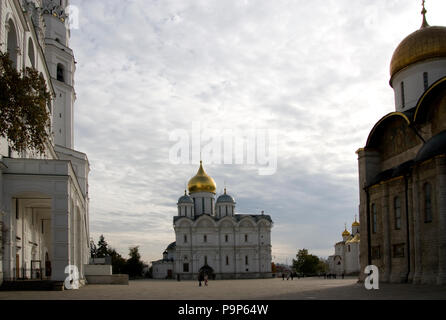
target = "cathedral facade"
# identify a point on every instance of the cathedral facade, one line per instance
(345, 261)
(44, 217)
(402, 168)
(212, 239)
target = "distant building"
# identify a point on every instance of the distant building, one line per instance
(402, 168)
(211, 238)
(346, 258)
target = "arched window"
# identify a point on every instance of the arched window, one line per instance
(31, 55)
(397, 211)
(60, 73)
(12, 43)
(374, 219)
(427, 203)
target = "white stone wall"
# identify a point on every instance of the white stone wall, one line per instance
(217, 240)
(413, 79)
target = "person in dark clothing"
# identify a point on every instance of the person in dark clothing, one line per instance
(200, 279)
(283, 276)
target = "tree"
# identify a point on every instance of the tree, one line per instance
(306, 263)
(134, 265)
(24, 118)
(118, 262)
(102, 250)
(93, 249)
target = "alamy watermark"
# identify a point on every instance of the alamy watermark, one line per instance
(72, 281)
(372, 280)
(252, 146)
(72, 20)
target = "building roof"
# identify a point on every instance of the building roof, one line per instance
(237, 217)
(434, 147)
(425, 43)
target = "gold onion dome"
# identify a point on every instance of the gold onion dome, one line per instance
(346, 233)
(202, 182)
(356, 224)
(426, 43)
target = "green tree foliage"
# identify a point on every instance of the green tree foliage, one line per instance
(134, 264)
(118, 262)
(307, 264)
(102, 249)
(24, 118)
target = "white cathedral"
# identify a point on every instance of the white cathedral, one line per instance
(44, 217)
(345, 261)
(211, 239)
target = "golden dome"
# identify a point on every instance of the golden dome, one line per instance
(356, 224)
(346, 233)
(202, 182)
(425, 43)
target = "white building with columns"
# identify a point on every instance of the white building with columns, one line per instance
(212, 239)
(44, 219)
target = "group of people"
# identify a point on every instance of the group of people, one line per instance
(203, 278)
(289, 275)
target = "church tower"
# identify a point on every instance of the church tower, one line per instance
(61, 64)
(417, 63)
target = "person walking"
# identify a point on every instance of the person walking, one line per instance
(283, 276)
(200, 278)
(206, 278)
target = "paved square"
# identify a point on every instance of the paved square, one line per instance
(265, 289)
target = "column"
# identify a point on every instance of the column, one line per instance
(416, 228)
(387, 259)
(441, 205)
(60, 222)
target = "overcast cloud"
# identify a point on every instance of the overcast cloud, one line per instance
(316, 71)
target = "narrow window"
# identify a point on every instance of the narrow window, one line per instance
(426, 80)
(246, 238)
(227, 260)
(205, 260)
(398, 250)
(403, 98)
(375, 219)
(397, 210)
(186, 267)
(42, 227)
(226, 238)
(205, 238)
(376, 252)
(349, 249)
(202, 204)
(219, 211)
(246, 260)
(185, 238)
(226, 207)
(427, 203)
(60, 73)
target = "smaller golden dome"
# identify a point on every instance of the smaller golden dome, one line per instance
(346, 233)
(202, 182)
(356, 224)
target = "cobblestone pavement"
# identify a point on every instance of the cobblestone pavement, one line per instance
(265, 289)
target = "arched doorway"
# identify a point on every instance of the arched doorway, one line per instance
(207, 270)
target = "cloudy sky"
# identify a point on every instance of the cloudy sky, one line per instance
(316, 72)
